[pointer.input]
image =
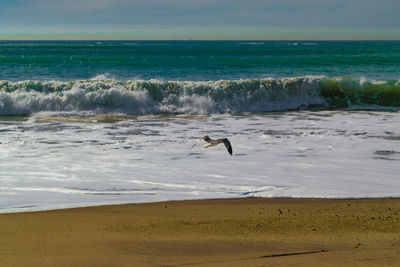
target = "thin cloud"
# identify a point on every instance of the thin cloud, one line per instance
(367, 13)
(250, 14)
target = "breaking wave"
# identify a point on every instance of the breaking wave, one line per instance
(140, 97)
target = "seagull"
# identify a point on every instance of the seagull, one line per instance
(211, 142)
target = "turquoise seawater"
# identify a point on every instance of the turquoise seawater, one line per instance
(197, 60)
(142, 77)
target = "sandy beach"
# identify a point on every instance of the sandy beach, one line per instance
(234, 232)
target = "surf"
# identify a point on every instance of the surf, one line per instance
(144, 97)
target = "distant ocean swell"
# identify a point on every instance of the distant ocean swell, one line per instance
(140, 97)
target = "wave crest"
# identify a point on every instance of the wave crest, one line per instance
(141, 97)
(346, 92)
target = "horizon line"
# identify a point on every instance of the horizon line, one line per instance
(207, 40)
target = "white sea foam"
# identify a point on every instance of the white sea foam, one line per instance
(48, 163)
(252, 43)
(140, 97)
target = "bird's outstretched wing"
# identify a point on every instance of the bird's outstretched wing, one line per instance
(227, 145)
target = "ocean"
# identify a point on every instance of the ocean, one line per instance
(86, 123)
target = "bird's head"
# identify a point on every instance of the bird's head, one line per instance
(205, 138)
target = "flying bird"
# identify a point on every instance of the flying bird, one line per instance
(211, 142)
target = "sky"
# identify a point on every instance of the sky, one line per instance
(200, 19)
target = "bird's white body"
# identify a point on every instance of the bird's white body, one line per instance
(212, 144)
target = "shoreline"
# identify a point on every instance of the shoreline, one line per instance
(214, 232)
(189, 200)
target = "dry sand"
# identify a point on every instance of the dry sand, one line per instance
(233, 232)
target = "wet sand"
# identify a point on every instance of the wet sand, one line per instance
(231, 232)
